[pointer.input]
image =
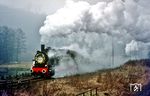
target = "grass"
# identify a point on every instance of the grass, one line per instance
(12, 70)
(111, 82)
(19, 65)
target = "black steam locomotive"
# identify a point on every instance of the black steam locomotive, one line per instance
(43, 65)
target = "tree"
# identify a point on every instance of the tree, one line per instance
(20, 44)
(12, 44)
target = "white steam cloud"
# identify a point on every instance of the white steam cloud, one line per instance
(119, 28)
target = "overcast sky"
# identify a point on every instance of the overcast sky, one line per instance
(39, 6)
(34, 6)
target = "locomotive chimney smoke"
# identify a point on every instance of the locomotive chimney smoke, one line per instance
(42, 47)
(93, 30)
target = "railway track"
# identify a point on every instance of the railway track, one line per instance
(16, 84)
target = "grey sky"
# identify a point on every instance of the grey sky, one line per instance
(39, 6)
(36, 6)
(28, 22)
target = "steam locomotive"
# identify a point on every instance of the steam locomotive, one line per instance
(43, 65)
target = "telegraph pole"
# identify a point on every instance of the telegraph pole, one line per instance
(112, 42)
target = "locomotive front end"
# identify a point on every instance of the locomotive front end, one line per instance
(40, 66)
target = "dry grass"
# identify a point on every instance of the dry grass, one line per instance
(110, 82)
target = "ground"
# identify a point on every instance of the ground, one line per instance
(110, 82)
(16, 65)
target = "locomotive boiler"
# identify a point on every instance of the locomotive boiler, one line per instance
(43, 65)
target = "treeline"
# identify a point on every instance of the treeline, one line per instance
(12, 44)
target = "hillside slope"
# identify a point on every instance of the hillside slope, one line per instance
(114, 82)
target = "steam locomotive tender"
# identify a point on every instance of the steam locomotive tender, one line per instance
(41, 64)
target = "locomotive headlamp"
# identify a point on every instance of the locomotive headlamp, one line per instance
(33, 63)
(45, 65)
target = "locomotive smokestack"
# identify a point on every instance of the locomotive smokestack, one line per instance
(42, 47)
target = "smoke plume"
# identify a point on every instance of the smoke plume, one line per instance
(106, 33)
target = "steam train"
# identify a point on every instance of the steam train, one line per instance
(42, 64)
